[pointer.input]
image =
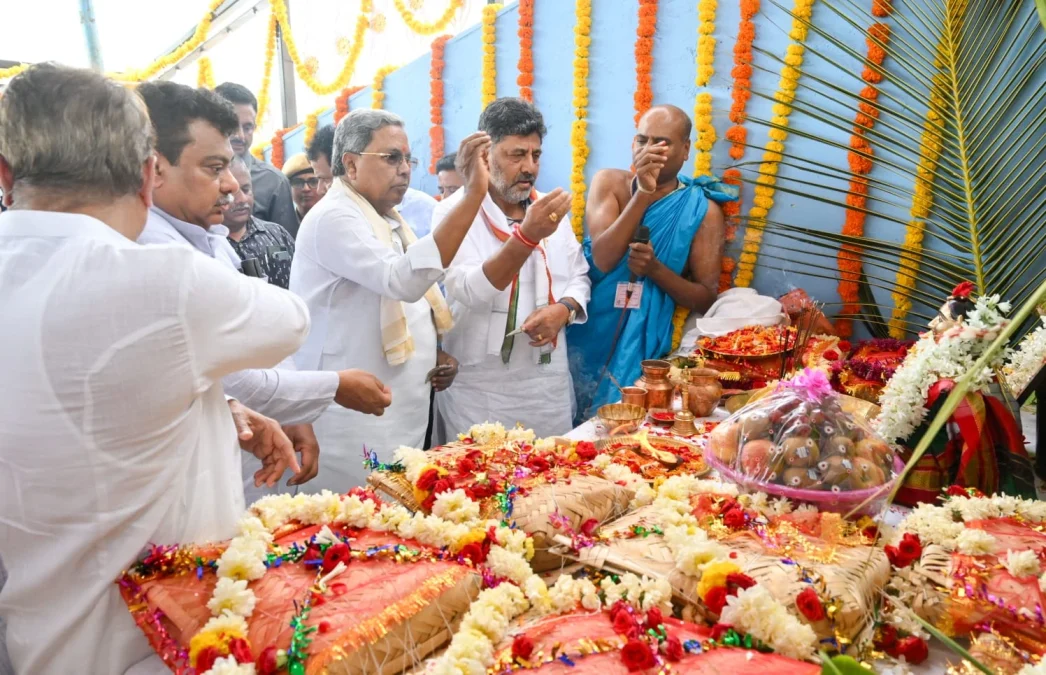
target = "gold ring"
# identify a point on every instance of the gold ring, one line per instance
(553, 217)
(540, 338)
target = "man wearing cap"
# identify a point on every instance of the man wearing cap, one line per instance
(304, 183)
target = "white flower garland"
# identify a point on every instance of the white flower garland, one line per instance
(944, 524)
(1029, 358)
(932, 358)
(754, 610)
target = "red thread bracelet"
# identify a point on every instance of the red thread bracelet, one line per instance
(518, 234)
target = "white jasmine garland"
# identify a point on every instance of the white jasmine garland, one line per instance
(521, 435)
(975, 542)
(945, 524)
(455, 506)
(1029, 358)
(232, 596)
(755, 611)
(488, 433)
(1022, 563)
(412, 459)
(227, 665)
(1033, 669)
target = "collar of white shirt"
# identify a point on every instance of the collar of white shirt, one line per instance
(212, 242)
(24, 223)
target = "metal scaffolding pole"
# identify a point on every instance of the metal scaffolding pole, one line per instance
(94, 47)
(289, 106)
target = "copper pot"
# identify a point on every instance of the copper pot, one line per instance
(634, 396)
(659, 388)
(704, 391)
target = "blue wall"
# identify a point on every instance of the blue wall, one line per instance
(611, 85)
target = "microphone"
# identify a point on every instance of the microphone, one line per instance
(642, 236)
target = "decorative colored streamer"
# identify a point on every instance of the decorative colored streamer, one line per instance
(860, 159)
(765, 184)
(706, 135)
(436, 138)
(305, 72)
(526, 50)
(422, 28)
(742, 74)
(378, 87)
(579, 127)
(489, 36)
(645, 29)
(204, 73)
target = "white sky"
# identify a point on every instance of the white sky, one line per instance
(135, 32)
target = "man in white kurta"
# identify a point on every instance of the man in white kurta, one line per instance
(519, 269)
(370, 288)
(114, 431)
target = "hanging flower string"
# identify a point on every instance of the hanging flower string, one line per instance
(437, 26)
(311, 121)
(731, 211)
(764, 190)
(706, 136)
(277, 157)
(579, 127)
(204, 73)
(644, 95)
(742, 74)
(860, 158)
(378, 87)
(302, 67)
(436, 138)
(270, 58)
(489, 73)
(526, 50)
(342, 105)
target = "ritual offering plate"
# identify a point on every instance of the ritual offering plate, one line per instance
(655, 456)
(865, 371)
(975, 564)
(798, 442)
(513, 476)
(751, 342)
(340, 598)
(662, 417)
(816, 572)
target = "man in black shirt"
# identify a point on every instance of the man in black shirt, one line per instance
(268, 243)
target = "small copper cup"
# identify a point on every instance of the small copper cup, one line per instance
(634, 396)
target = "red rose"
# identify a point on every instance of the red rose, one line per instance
(480, 491)
(522, 647)
(845, 346)
(267, 663)
(617, 608)
(956, 491)
(715, 599)
(623, 622)
(913, 649)
(538, 464)
(589, 527)
(654, 618)
(206, 658)
(809, 604)
(443, 485)
(476, 552)
(719, 630)
(734, 519)
(871, 532)
(673, 649)
(729, 504)
(466, 466)
(963, 290)
(910, 546)
(429, 502)
(427, 479)
(897, 558)
(887, 640)
(335, 554)
(586, 450)
(240, 650)
(740, 580)
(831, 355)
(636, 655)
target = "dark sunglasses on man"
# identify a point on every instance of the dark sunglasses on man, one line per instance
(311, 183)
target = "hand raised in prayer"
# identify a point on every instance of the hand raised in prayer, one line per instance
(473, 162)
(446, 371)
(648, 161)
(359, 390)
(263, 438)
(305, 445)
(544, 324)
(641, 259)
(544, 215)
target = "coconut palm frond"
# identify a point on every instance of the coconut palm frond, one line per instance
(960, 114)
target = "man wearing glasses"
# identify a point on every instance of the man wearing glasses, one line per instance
(304, 183)
(371, 286)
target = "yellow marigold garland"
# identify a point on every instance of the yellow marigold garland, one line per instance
(270, 58)
(489, 79)
(706, 136)
(764, 190)
(377, 100)
(422, 28)
(279, 8)
(204, 73)
(311, 122)
(579, 127)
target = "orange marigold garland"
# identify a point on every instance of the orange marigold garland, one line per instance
(742, 74)
(644, 95)
(436, 139)
(277, 147)
(341, 104)
(526, 50)
(860, 160)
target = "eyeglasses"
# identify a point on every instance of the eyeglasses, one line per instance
(302, 182)
(394, 158)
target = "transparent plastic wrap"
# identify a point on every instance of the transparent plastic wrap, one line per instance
(799, 443)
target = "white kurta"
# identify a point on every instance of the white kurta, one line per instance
(342, 271)
(538, 396)
(114, 430)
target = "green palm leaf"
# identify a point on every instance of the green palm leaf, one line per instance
(972, 74)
